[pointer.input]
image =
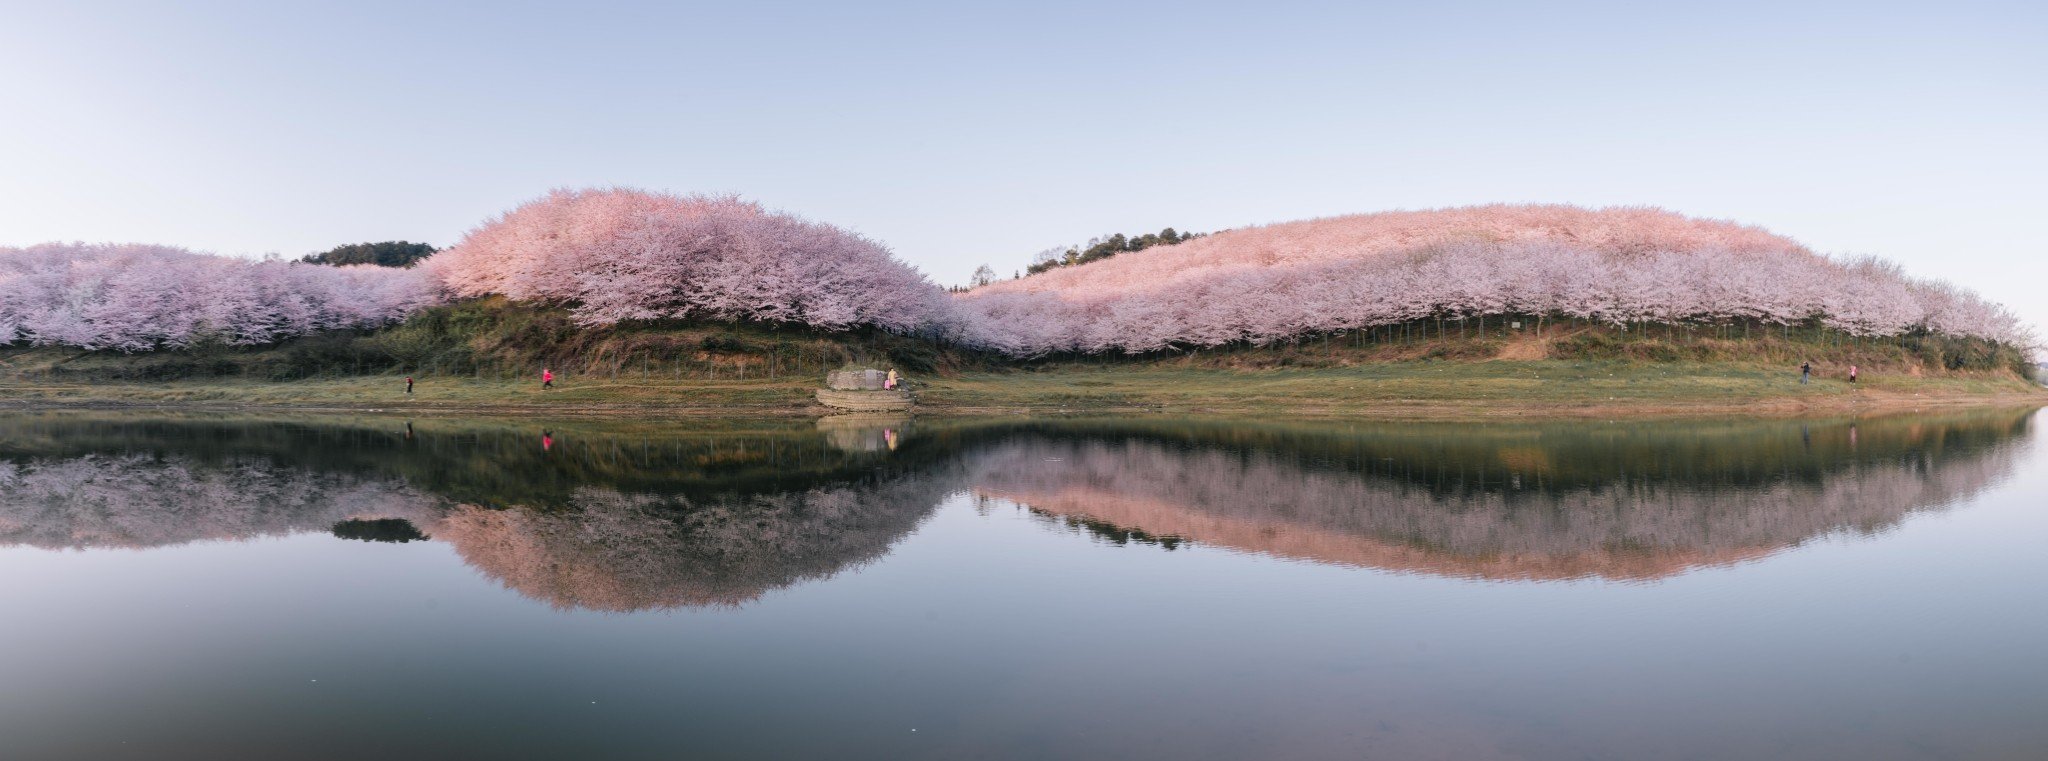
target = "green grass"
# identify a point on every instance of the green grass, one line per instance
(1479, 388)
(430, 393)
(486, 354)
(1423, 389)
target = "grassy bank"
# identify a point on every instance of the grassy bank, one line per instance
(485, 355)
(1407, 390)
(493, 338)
(1473, 390)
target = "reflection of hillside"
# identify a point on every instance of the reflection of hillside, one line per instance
(656, 517)
(149, 500)
(474, 462)
(1509, 513)
(660, 521)
(1328, 545)
(619, 552)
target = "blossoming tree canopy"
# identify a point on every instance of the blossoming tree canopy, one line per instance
(1617, 265)
(618, 254)
(133, 297)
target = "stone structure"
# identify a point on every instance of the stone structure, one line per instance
(856, 380)
(861, 390)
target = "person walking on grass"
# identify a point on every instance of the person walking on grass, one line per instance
(1852, 373)
(1805, 372)
(547, 379)
(408, 385)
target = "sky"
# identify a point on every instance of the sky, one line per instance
(962, 134)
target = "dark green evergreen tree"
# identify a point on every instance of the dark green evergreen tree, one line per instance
(390, 253)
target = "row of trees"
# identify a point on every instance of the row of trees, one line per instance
(614, 255)
(1103, 248)
(131, 297)
(390, 253)
(1490, 519)
(1615, 265)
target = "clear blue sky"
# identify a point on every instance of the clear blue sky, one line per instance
(961, 134)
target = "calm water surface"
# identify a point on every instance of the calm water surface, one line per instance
(209, 588)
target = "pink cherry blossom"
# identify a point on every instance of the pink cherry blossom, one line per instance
(132, 297)
(1619, 265)
(617, 254)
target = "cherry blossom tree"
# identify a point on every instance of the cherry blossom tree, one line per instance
(133, 297)
(612, 255)
(618, 254)
(1618, 265)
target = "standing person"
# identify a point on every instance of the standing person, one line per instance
(1852, 373)
(1805, 372)
(547, 379)
(891, 383)
(408, 385)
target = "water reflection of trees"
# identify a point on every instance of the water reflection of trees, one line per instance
(619, 552)
(607, 518)
(1505, 502)
(137, 500)
(619, 517)
(491, 463)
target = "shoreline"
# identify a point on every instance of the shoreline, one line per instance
(1423, 412)
(1395, 391)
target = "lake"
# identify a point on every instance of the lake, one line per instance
(188, 586)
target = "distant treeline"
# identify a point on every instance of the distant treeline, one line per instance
(1104, 248)
(390, 253)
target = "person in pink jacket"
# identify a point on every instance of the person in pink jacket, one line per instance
(547, 379)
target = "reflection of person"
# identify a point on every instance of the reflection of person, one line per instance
(547, 379)
(889, 437)
(547, 440)
(408, 430)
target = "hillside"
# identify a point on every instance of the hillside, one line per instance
(482, 356)
(499, 338)
(494, 337)
(650, 295)
(1618, 266)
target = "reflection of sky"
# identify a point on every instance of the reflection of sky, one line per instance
(992, 632)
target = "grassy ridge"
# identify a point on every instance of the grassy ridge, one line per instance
(496, 339)
(1452, 390)
(486, 354)
(1413, 390)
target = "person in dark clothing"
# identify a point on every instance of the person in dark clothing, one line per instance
(408, 385)
(1805, 372)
